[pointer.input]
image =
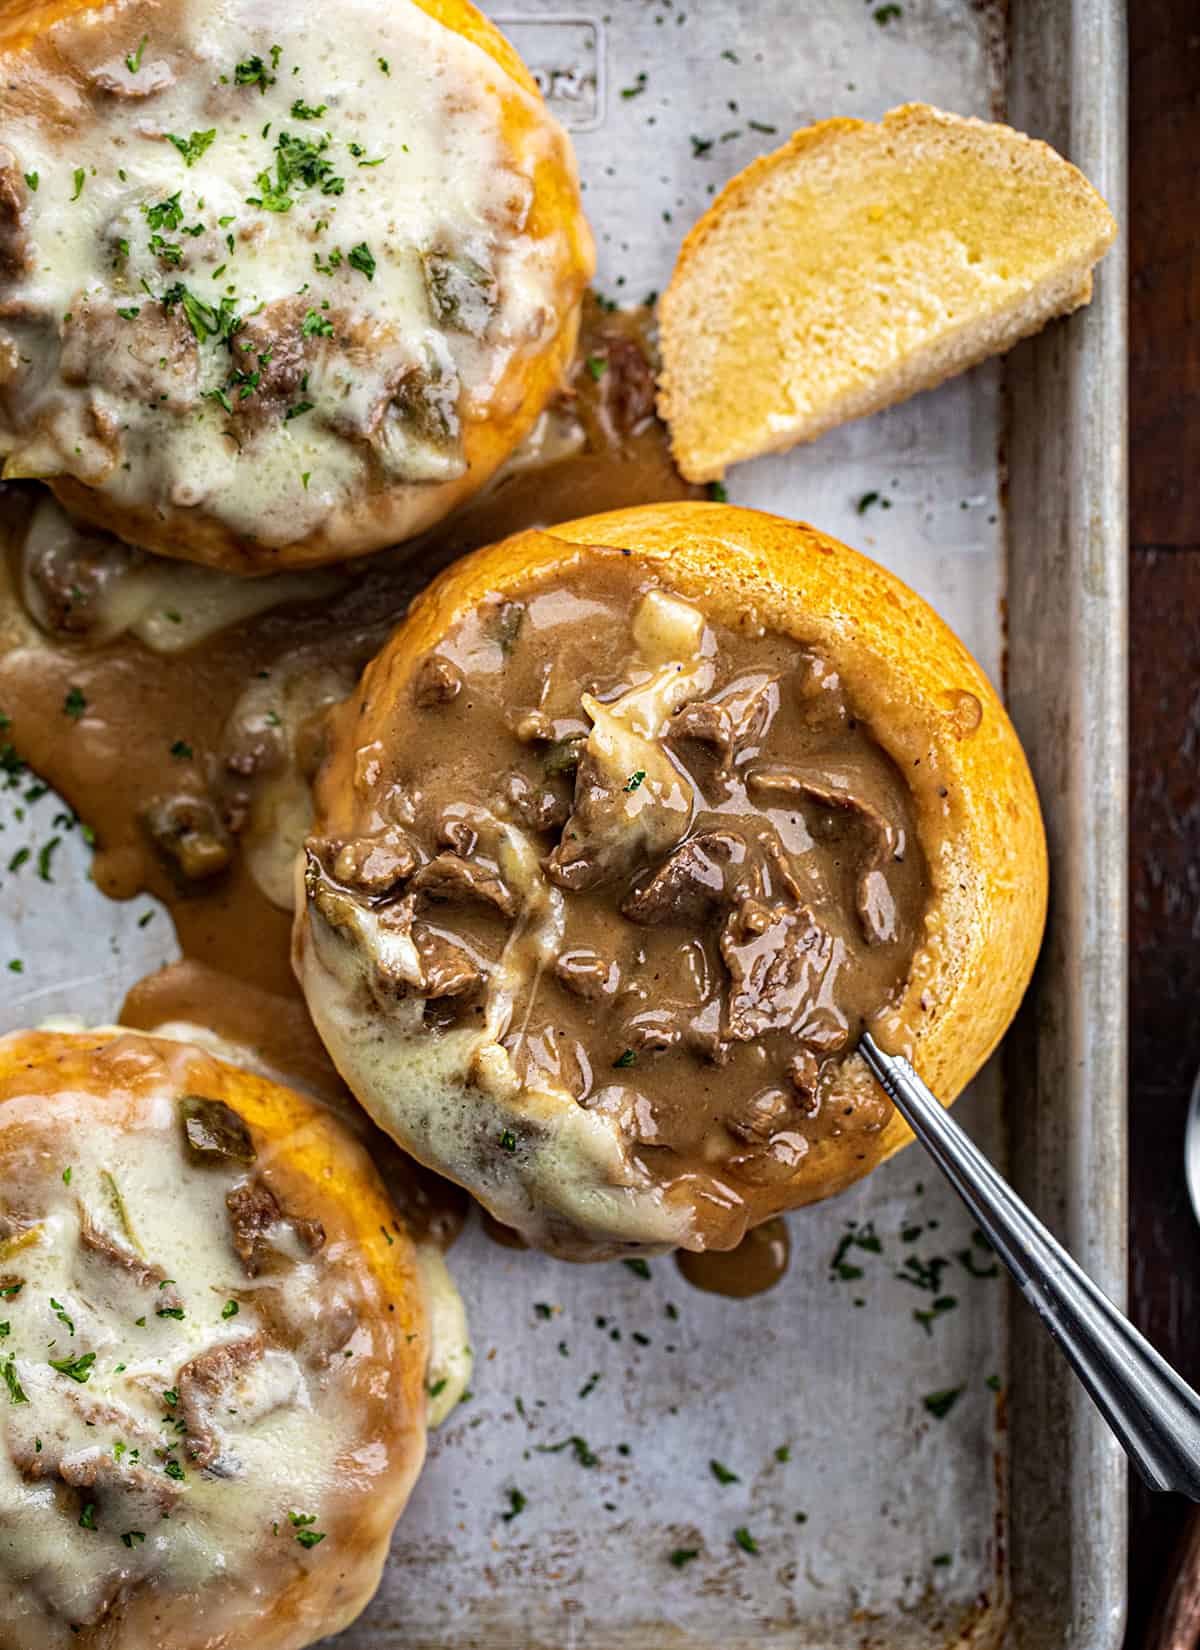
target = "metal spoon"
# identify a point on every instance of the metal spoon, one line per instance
(1154, 1414)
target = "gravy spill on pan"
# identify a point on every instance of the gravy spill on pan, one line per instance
(175, 734)
(756, 1265)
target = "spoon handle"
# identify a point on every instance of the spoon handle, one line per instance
(1154, 1414)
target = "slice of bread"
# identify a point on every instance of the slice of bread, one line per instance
(859, 264)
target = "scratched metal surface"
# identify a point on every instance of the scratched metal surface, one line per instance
(883, 1525)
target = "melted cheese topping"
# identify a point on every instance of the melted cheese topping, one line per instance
(269, 259)
(170, 1414)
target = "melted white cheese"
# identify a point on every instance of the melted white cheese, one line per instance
(400, 243)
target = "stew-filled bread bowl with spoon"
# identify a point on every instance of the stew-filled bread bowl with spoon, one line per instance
(627, 833)
(276, 287)
(215, 1353)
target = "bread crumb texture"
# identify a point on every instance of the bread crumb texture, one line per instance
(858, 264)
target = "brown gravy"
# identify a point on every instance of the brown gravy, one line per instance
(115, 727)
(738, 885)
(756, 1265)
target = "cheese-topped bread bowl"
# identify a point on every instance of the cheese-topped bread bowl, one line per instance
(625, 835)
(277, 285)
(214, 1348)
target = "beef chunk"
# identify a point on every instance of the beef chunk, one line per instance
(96, 1241)
(828, 789)
(625, 387)
(738, 720)
(200, 1383)
(69, 572)
(777, 957)
(540, 807)
(449, 877)
(587, 974)
(151, 358)
(15, 254)
(462, 294)
(690, 882)
(213, 1132)
(189, 831)
(438, 681)
(373, 864)
(760, 1116)
(255, 1216)
(448, 970)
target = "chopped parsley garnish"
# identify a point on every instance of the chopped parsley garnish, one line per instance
(635, 780)
(317, 325)
(174, 1470)
(130, 314)
(639, 1267)
(597, 366)
(585, 1456)
(133, 60)
(590, 1385)
(181, 750)
(45, 853)
(718, 492)
(171, 1397)
(18, 859)
(16, 1392)
(383, 64)
(992, 1383)
(884, 15)
(87, 1518)
(5, 1330)
(868, 499)
(74, 703)
(9, 1290)
(31, 178)
(306, 111)
(230, 1309)
(305, 1535)
(701, 146)
(359, 257)
(682, 1556)
(626, 1058)
(166, 214)
(80, 180)
(66, 1177)
(130, 1536)
(783, 1453)
(77, 1369)
(438, 1387)
(298, 162)
(745, 1540)
(508, 1141)
(169, 1312)
(638, 87)
(722, 1473)
(516, 1504)
(191, 148)
(939, 1559)
(61, 1314)
(252, 71)
(939, 1404)
(297, 411)
(205, 321)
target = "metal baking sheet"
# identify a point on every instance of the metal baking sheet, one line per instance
(603, 1396)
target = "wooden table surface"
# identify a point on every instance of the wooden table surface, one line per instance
(1164, 244)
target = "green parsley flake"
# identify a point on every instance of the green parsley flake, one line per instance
(45, 853)
(252, 71)
(76, 1369)
(635, 779)
(682, 1556)
(181, 750)
(230, 1309)
(638, 87)
(939, 1404)
(87, 1518)
(191, 148)
(508, 1141)
(16, 1392)
(718, 492)
(745, 1540)
(722, 1473)
(74, 703)
(297, 411)
(359, 257)
(639, 1267)
(170, 1312)
(130, 314)
(174, 1470)
(131, 1536)
(305, 111)
(80, 180)
(31, 178)
(317, 325)
(626, 1058)
(597, 366)
(383, 64)
(517, 1503)
(133, 60)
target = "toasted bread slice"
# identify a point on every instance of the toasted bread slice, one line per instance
(859, 264)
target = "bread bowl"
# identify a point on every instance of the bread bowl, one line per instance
(798, 808)
(214, 1351)
(273, 290)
